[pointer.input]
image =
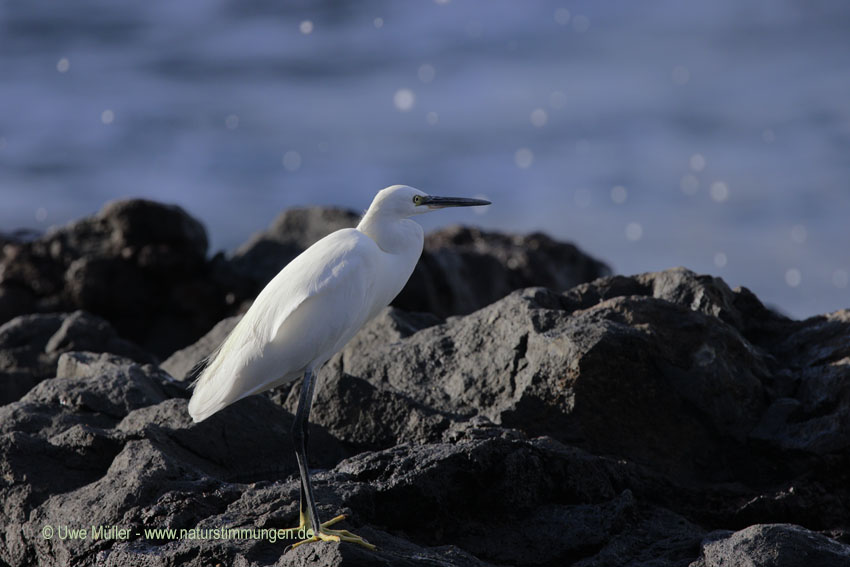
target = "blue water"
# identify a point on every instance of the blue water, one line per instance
(725, 124)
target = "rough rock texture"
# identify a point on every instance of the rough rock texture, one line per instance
(575, 366)
(463, 269)
(30, 346)
(73, 460)
(109, 441)
(772, 544)
(743, 411)
(140, 265)
(662, 419)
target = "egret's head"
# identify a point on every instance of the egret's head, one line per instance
(404, 201)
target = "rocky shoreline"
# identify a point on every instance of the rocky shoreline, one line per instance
(517, 405)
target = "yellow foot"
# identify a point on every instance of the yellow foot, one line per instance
(326, 534)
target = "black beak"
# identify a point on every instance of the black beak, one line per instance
(441, 202)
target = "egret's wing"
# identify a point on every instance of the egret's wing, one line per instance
(338, 263)
(300, 316)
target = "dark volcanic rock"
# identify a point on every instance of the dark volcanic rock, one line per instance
(110, 442)
(672, 370)
(627, 421)
(15, 300)
(425, 505)
(772, 545)
(140, 265)
(55, 438)
(463, 269)
(635, 375)
(811, 409)
(30, 346)
(516, 501)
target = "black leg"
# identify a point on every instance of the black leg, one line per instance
(299, 439)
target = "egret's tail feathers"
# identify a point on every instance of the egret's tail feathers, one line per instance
(238, 369)
(206, 398)
(244, 364)
(214, 389)
(194, 373)
(200, 411)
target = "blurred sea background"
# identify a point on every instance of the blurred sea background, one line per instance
(713, 135)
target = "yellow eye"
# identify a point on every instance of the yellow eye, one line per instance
(417, 200)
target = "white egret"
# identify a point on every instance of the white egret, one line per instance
(310, 310)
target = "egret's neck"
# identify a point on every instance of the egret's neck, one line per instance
(393, 235)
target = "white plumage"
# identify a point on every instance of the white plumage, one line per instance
(319, 301)
(309, 311)
(275, 343)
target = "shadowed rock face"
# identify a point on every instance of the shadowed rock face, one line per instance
(661, 419)
(463, 269)
(30, 347)
(140, 265)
